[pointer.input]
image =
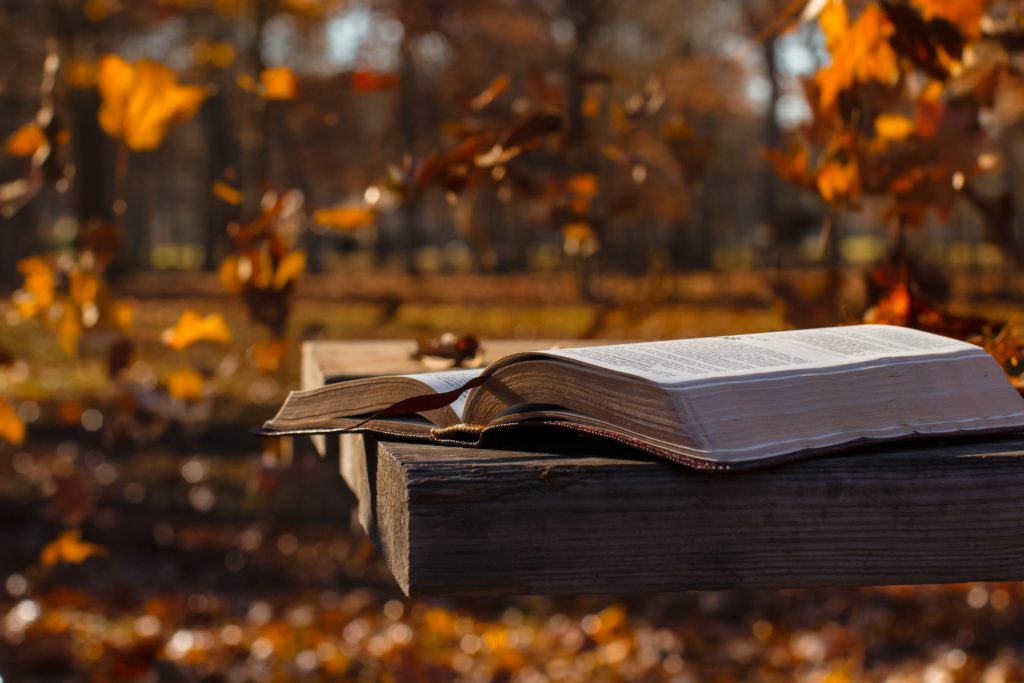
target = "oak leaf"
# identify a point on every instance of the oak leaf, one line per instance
(192, 328)
(143, 101)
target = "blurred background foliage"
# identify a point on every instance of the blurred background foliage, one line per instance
(190, 188)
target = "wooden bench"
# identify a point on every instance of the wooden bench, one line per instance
(485, 522)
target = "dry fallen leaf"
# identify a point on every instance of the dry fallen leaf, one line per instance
(143, 101)
(290, 267)
(192, 328)
(25, 141)
(345, 217)
(70, 549)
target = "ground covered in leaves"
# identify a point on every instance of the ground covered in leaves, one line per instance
(205, 564)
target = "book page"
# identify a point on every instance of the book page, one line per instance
(448, 380)
(685, 360)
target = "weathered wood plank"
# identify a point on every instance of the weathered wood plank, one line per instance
(466, 521)
(461, 521)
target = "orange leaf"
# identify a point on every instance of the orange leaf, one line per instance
(860, 52)
(25, 141)
(69, 327)
(142, 101)
(345, 217)
(69, 548)
(226, 193)
(583, 184)
(965, 14)
(290, 267)
(185, 385)
(12, 428)
(267, 356)
(229, 275)
(192, 328)
(892, 127)
(38, 292)
(837, 180)
(279, 83)
(490, 93)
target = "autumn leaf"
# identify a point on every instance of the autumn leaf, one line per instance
(892, 127)
(492, 92)
(38, 292)
(583, 185)
(229, 275)
(837, 180)
(25, 141)
(69, 327)
(266, 356)
(279, 83)
(69, 548)
(12, 427)
(290, 267)
(226, 193)
(143, 101)
(345, 218)
(966, 15)
(192, 328)
(185, 385)
(860, 51)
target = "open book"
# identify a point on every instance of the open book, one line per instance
(716, 403)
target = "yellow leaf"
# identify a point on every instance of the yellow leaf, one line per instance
(25, 141)
(69, 548)
(894, 127)
(279, 83)
(227, 193)
(185, 385)
(192, 328)
(124, 316)
(267, 356)
(228, 274)
(837, 180)
(345, 217)
(860, 52)
(142, 101)
(290, 267)
(578, 232)
(965, 14)
(12, 428)
(38, 292)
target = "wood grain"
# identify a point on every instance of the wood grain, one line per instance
(453, 521)
(485, 522)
